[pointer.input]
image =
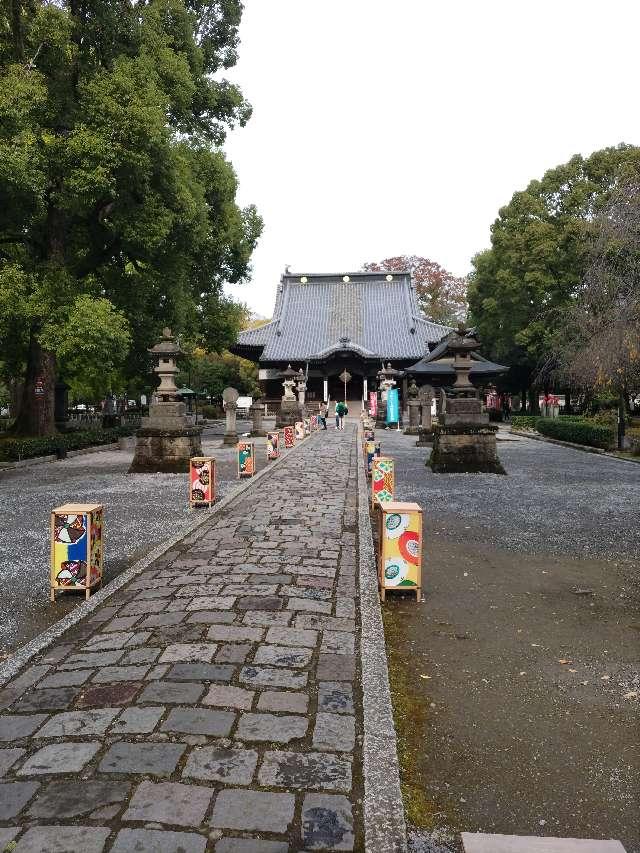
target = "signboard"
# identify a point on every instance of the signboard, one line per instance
(244, 402)
(38, 386)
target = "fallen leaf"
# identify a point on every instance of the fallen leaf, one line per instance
(523, 673)
(605, 677)
(535, 645)
(565, 660)
(573, 670)
(425, 676)
(632, 694)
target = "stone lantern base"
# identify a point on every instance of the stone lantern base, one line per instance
(165, 451)
(165, 442)
(290, 411)
(465, 448)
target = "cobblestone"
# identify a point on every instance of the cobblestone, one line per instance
(253, 810)
(219, 764)
(169, 802)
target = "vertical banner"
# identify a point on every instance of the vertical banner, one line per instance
(373, 404)
(393, 409)
(273, 445)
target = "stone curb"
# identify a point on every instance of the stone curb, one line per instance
(384, 825)
(25, 653)
(570, 444)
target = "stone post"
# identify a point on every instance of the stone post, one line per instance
(257, 410)
(414, 417)
(230, 434)
(230, 397)
(426, 428)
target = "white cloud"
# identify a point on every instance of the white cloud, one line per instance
(384, 128)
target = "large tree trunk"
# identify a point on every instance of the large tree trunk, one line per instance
(36, 415)
(534, 407)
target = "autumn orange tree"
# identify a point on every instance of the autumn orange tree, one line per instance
(441, 295)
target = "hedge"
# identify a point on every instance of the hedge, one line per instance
(14, 449)
(524, 421)
(577, 432)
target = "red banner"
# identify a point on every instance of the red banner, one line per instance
(373, 404)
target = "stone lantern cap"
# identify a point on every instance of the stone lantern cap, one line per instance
(289, 373)
(166, 346)
(389, 372)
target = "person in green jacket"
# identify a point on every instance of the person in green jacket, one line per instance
(341, 411)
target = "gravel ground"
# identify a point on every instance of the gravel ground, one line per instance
(554, 499)
(141, 510)
(515, 682)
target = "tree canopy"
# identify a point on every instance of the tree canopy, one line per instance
(540, 251)
(599, 346)
(441, 295)
(117, 205)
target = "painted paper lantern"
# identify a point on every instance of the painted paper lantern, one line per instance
(202, 480)
(77, 551)
(314, 423)
(307, 426)
(382, 480)
(246, 459)
(289, 437)
(273, 445)
(299, 428)
(400, 547)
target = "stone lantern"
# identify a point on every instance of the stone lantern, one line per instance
(289, 406)
(166, 441)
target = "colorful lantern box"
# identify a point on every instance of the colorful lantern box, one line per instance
(314, 423)
(382, 480)
(202, 480)
(371, 450)
(400, 548)
(307, 426)
(246, 459)
(289, 437)
(273, 445)
(77, 551)
(299, 428)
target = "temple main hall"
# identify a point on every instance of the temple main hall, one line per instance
(324, 324)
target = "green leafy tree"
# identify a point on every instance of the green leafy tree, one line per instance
(210, 373)
(599, 347)
(441, 295)
(540, 251)
(113, 186)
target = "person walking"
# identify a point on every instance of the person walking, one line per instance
(341, 411)
(322, 415)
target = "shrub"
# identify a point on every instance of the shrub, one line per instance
(634, 439)
(14, 449)
(577, 432)
(212, 412)
(524, 421)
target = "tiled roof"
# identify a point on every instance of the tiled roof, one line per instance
(376, 318)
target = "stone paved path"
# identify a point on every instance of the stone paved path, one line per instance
(212, 703)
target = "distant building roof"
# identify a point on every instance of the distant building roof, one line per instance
(374, 314)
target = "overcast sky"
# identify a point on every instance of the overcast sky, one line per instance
(388, 127)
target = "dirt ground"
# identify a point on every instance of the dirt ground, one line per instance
(515, 687)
